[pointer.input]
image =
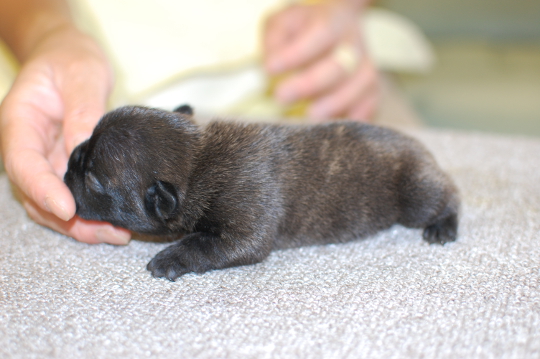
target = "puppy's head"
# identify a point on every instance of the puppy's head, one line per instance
(133, 171)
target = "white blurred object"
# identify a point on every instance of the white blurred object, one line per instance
(395, 43)
(347, 57)
(154, 43)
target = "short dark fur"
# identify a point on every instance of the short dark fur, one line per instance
(236, 191)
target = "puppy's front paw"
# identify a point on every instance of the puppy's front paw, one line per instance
(194, 253)
(201, 252)
(167, 264)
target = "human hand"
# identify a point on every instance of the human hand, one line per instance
(54, 104)
(321, 49)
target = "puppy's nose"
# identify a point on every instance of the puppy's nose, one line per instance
(69, 180)
(75, 163)
(78, 155)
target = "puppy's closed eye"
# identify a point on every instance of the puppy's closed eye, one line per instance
(93, 183)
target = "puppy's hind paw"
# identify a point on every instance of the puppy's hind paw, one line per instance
(442, 231)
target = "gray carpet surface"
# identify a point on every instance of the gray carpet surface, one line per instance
(388, 296)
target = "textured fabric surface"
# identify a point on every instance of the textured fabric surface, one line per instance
(389, 296)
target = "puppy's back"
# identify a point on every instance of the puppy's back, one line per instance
(319, 184)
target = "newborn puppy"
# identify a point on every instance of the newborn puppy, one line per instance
(235, 191)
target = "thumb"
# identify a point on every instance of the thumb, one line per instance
(85, 101)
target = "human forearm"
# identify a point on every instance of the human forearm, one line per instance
(23, 23)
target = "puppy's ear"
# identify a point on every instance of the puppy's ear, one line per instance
(184, 109)
(161, 200)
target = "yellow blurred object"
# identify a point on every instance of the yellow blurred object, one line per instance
(297, 109)
(8, 69)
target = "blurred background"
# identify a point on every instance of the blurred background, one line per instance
(487, 74)
(487, 71)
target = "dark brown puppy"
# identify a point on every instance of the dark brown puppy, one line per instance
(236, 191)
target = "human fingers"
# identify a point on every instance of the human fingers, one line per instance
(84, 89)
(281, 26)
(365, 109)
(350, 94)
(300, 50)
(26, 138)
(78, 228)
(319, 77)
(49, 202)
(322, 28)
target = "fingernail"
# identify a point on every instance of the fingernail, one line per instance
(112, 236)
(56, 209)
